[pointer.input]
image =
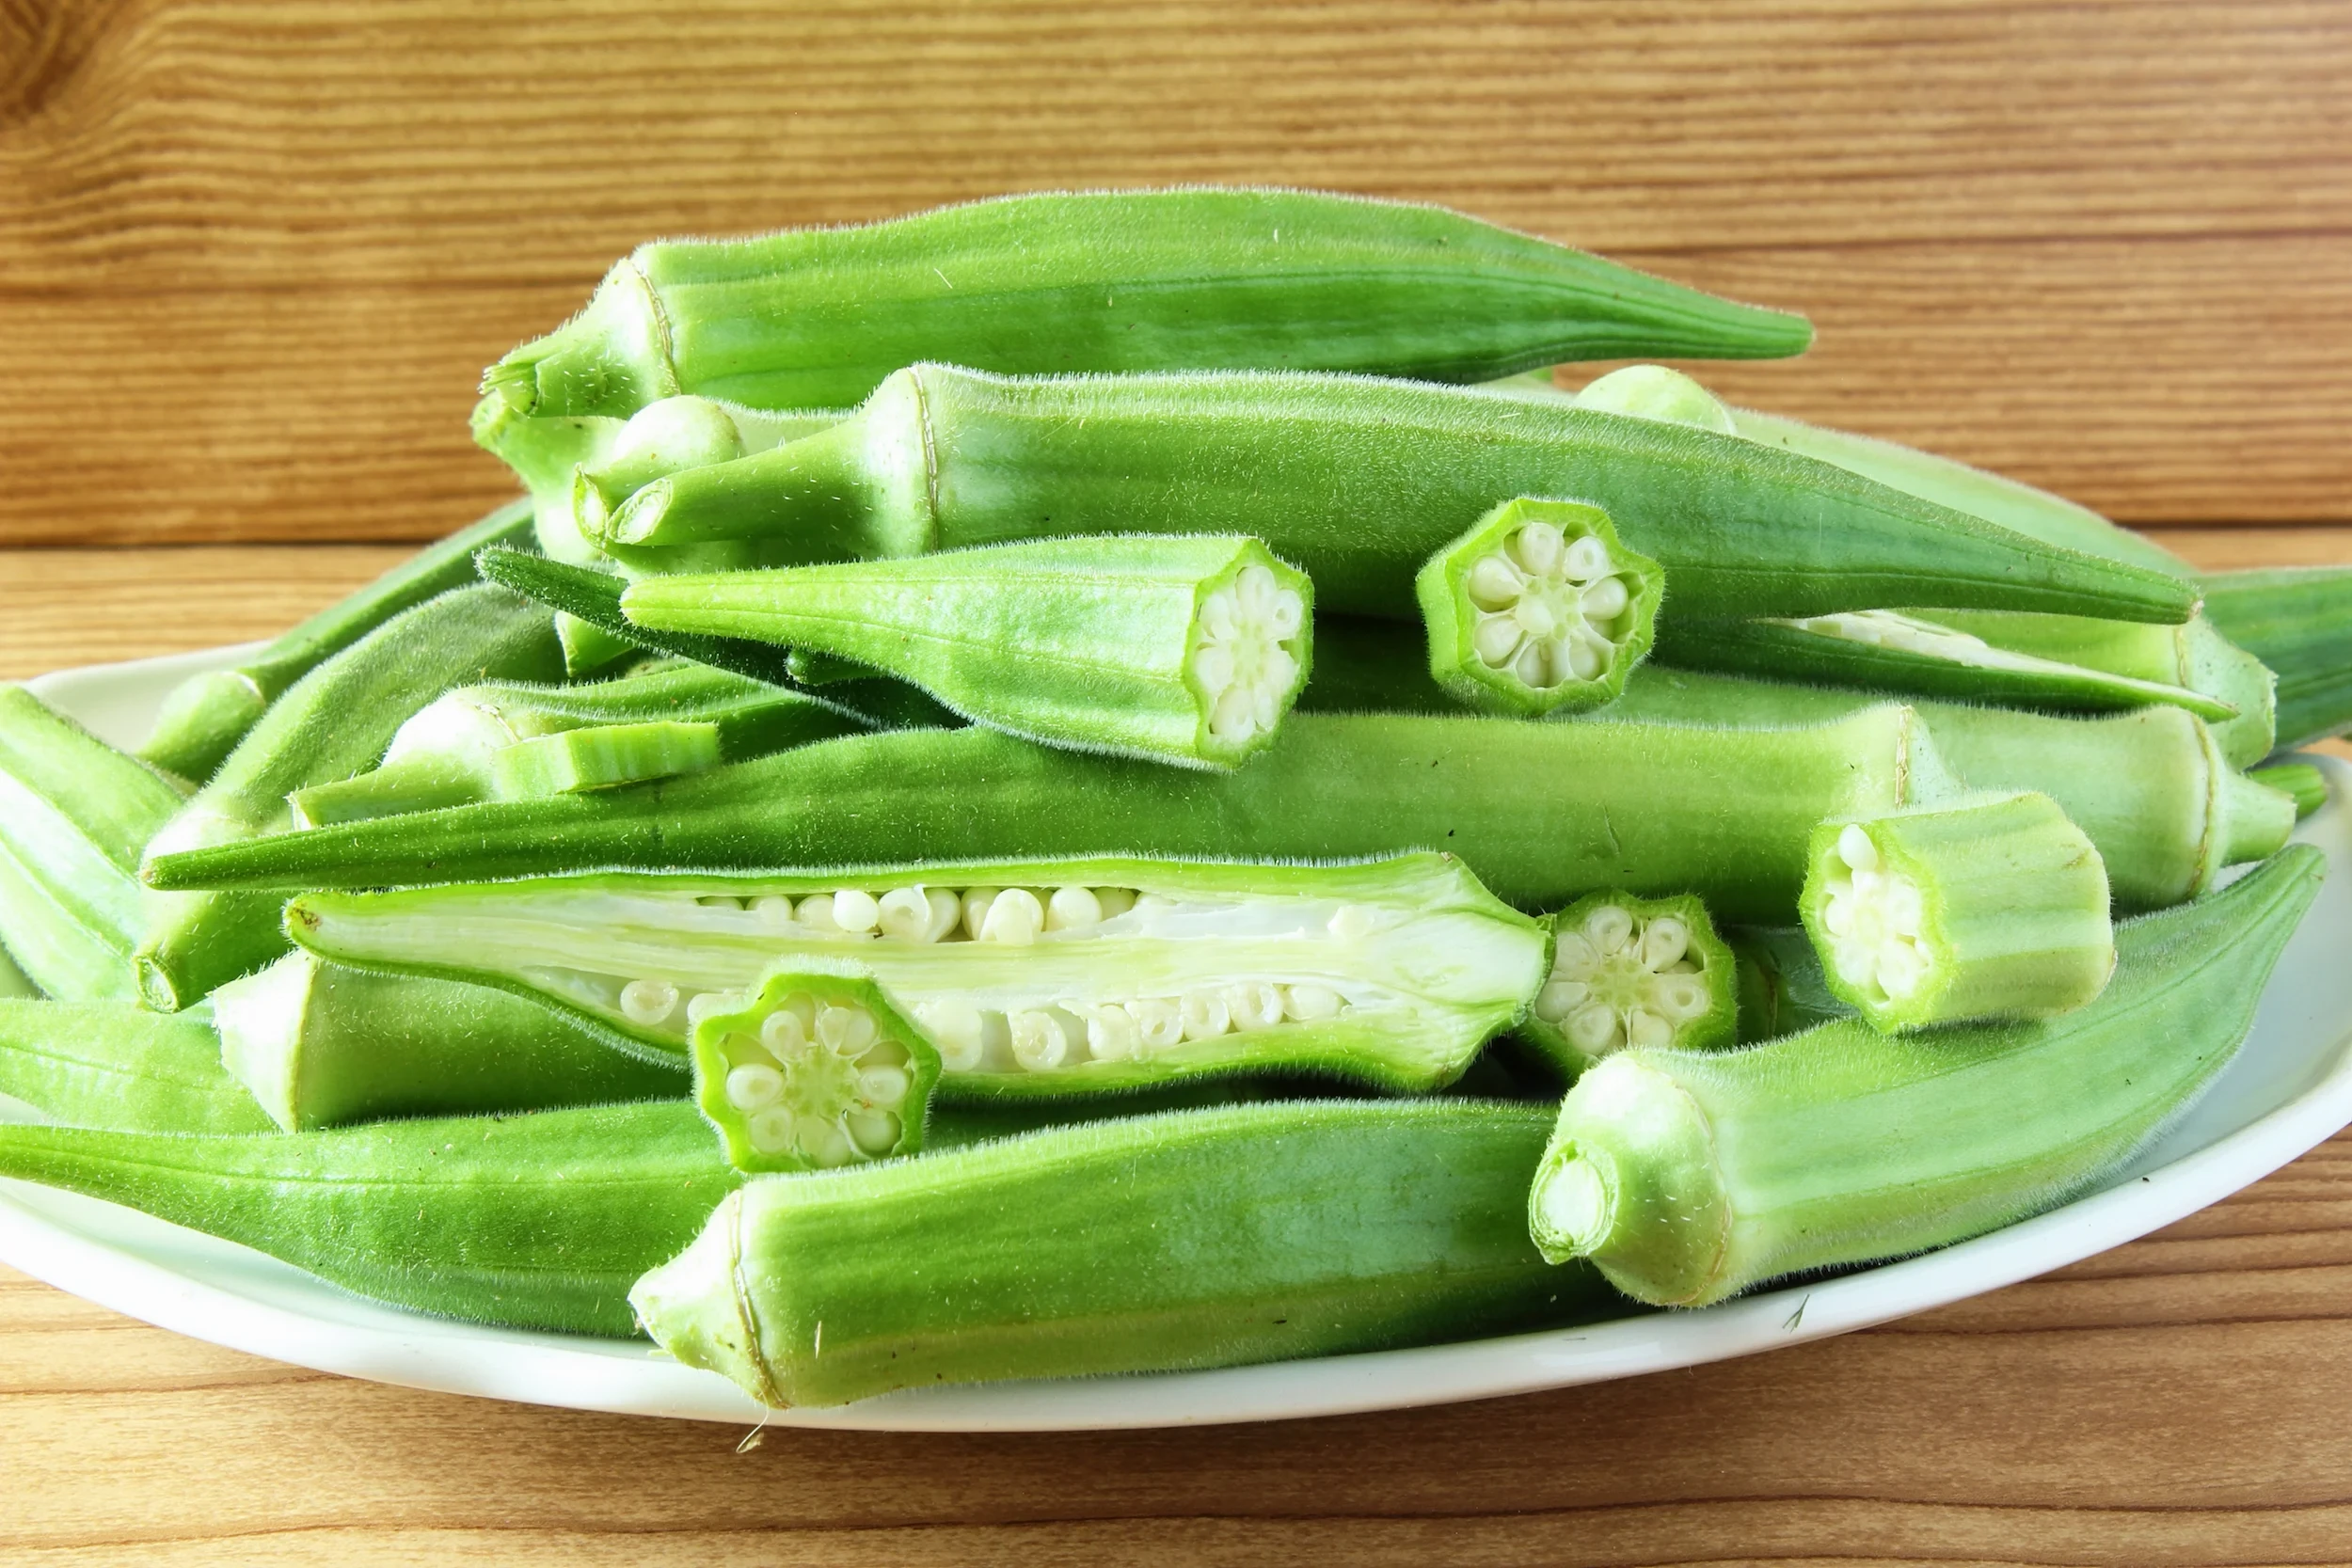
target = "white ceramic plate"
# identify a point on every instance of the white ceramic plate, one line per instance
(2289, 1089)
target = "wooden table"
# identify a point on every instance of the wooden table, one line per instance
(251, 256)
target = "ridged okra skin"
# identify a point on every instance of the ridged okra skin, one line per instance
(110, 1065)
(1029, 978)
(813, 1068)
(2300, 780)
(205, 716)
(319, 1045)
(540, 1221)
(74, 815)
(1105, 280)
(1541, 814)
(1628, 971)
(1185, 1240)
(332, 723)
(1187, 650)
(1688, 1177)
(1537, 608)
(2298, 620)
(1991, 908)
(1356, 482)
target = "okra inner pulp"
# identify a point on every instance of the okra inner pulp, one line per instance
(1873, 913)
(1245, 653)
(807, 1074)
(1621, 979)
(1551, 609)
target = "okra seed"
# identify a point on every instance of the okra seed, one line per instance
(905, 913)
(1289, 614)
(1540, 548)
(1608, 927)
(875, 1133)
(775, 912)
(1645, 1028)
(815, 911)
(1575, 958)
(1159, 1019)
(1605, 601)
(771, 1129)
(1595, 1030)
(846, 1031)
(1496, 639)
(886, 1051)
(1112, 1035)
(855, 911)
(1115, 901)
(1855, 848)
(705, 1004)
(976, 903)
(1213, 666)
(1073, 909)
(647, 1003)
(1205, 1015)
(1014, 917)
(1665, 940)
(753, 1086)
(1586, 559)
(1218, 616)
(784, 1035)
(1559, 998)
(1254, 1004)
(1872, 915)
(1039, 1041)
(1494, 583)
(1620, 979)
(1310, 1004)
(959, 1031)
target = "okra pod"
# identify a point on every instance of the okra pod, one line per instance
(1632, 971)
(319, 1045)
(74, 815)
(540, 1221)
(1688, 1177)
(1028, 977)
(14, 982)
(330, 725)
(1995, 908)
(1537, 608)
(1782, 989)
(1541, 814)
(1356, 482)
(1189, 1239)
(2298, 620)
(1105, 280)
(107, 1064)
(205, 716)
(2300, 780)
(1185, 650)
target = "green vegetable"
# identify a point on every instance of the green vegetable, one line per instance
(1356, 482)
(1541, 814)
(104, 1064)
(75, 814)
(1185, 650)
(205, 716)
(13, 981)
(1632, 971)
(1995, 908)
(2298, 620)
(1191, 1239)
(1689, 1176)
(319, 1045)
(1105, 280)
(538, 1221)
(2305, 783)
(1537, 608)
(1782, 989)
(815, 1069)
(1030, 977)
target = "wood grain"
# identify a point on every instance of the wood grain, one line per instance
(253, 255)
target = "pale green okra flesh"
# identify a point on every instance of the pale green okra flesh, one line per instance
(1538, 609)
(110, 1065)
(1628, 970)
(1184, 649)
(1688, 1177)
(1028, 978)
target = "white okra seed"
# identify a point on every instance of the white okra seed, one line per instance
(976, 903)
(1235, 716)
(753, 1086)
(846, 1031)
(647, 1003)
(1115, 901)
(1014, 918)
(774, 910)
(1112, 1035)
(959, 1031)
(1309, 1003)
(816, 913)
(1666, 940)
(1254, 1004)
(771, 1129)
(1855, 848)
(1559, 998)
(1643, 1027)
(1213, 667)
(883, 1086)
(1595, 1030)
(826, 1143)
(704, 1004)
(1040, 1042)
(1205, 1015)
(904, 914)
(1538, 548)
(1288, 615)
(1072, 909)
(1574, 958)
(875, 1133)
(1587, 559)
(1159, 1021)
(1606, 599)
(855, 911)
(1494, 582)
(783, 1033)
(1218, 614)
(1496, 639)
(1607, 928)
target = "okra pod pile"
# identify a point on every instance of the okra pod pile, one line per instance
(1055, 787)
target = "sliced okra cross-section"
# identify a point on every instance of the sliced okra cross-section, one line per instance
(1628, 970)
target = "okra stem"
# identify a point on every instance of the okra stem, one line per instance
(103, 1063)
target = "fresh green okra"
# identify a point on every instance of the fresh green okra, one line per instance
(1105, 280)
(1994, 907)
(14, 982)
(508, 740)
(1632, 971)
(1537, 608)
(1187, 650)
(2300, 780)
(540, 1221)
(1688, 1177)
(813, 1067)
(1028, 978)
(1542, 814)
(2297, 620)
(205, 716)
(333, 722)
(1782, 989)
(1189, 1239)
(319, 1045)
(74, 815)
(107, 1064)
(1356, 482)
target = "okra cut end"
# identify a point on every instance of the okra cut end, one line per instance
(612, 359)
(691, 1307)
(1628, 970)
(1249, 653)
(1538, 609)
(815, 1071)
(1992, 908)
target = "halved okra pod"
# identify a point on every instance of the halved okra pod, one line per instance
(1689, 1177)
(1187, 650)
(319, 1045)
(1542, 814)
(1537, 608)
(109, 1063)
(2298, 620)
(1356, 482)
(1990, 908)
(538, 1221)
(332, 723)
(205, 716)
(74, 815)
(1189, 1239)
(1105, 280)
(1034, 978)
(1632, 971)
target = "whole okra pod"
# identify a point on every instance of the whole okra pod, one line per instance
(2298, 620)
(1541, 814)
(1356, 482)
(1689, 1177)
(332, 723)
(205, 716)
(110, 1065)
(1189, 1239)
